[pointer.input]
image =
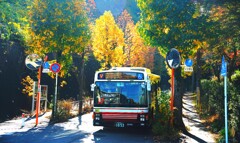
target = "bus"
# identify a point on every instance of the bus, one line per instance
(122, 97)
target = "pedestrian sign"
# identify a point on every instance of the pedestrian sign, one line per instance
(224, 67)
(46, 66)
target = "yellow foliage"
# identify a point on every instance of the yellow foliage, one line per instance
(138, 54)
(27, 82)
(63, 83)
(108, 41)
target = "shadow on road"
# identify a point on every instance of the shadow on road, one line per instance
(196, 128)
(121, 135)
(194, 137)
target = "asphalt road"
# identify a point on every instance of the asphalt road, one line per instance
(81, 130)
(77, 130)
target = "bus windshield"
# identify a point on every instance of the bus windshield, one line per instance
(120, 94)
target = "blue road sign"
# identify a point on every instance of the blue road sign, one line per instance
(188, 62)
(224, 67)
(46, 65)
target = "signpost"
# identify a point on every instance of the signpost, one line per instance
(173, 60)
(188, 65)
(224, 74)
(55, 68)
(34, 62)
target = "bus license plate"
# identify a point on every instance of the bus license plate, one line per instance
(119, 124)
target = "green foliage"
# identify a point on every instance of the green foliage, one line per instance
(212, 100)
(212, 91)
(13, 21)
(161, 124)
(170, 24)
(59, 27)
(224, 36)
(236, 79)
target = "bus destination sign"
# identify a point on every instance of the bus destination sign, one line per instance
(121, 76)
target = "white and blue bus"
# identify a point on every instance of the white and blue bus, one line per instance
(122, 97)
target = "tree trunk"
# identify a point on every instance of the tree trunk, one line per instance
(198, 77)
(179, 91)
(79, 73)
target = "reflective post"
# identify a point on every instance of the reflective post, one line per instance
(39, 94)
(172, 97)
(55, 97)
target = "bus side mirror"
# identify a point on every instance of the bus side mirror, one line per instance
(93, 86)
(148, 85)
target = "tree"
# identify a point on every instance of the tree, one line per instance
(171, 24)
(135, 50)
(60, 27)
(13, 25)
(108, 41)
(225, 41)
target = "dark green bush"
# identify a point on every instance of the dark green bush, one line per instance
(212, 100)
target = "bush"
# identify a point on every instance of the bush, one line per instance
(87, 109)
(161, 123)
(63, 111)
(212, 100)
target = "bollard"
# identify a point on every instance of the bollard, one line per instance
(23, 120)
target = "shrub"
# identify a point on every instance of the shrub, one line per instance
(63, 111)
(87, 109)
(161, 124)
(212, 100)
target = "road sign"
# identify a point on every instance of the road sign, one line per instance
(55, 67)
(173, 58)
(188, 69)
(188, 62)
(46, 67)
(33, 61)
(224, 67)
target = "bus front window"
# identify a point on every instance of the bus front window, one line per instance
(113, 93)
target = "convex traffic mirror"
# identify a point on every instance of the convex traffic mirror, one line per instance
(173, 58)
(33, 61)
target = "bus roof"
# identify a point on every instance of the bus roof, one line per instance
(153, 77)
(132, 68)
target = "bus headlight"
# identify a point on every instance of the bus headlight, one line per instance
(97, 118)
(142, 118)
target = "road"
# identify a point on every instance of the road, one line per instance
(76, 130)
(81, 130)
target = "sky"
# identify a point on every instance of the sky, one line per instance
(115, 6)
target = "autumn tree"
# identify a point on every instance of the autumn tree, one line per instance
(140, 55)
(225, 39)
(135, 50)
(171, 24)
(60, 27)
(108, 41)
